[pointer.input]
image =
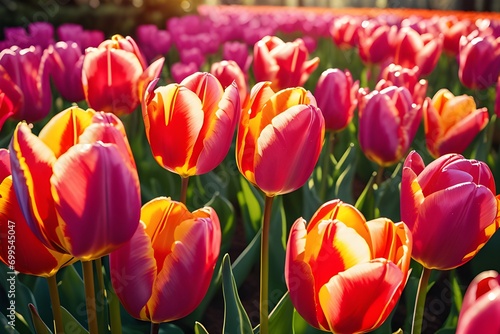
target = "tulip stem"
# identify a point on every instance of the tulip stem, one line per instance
(155, 328)
(326, 165)
(418, 313)
(380, 175)
(184, 187)
(264, 267)
(56, 304)
(88, 279)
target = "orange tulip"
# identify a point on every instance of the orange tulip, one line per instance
(344, 274)
(279, 138)
(164, 271)
(115, 75)
(190, 126)
(76, 183)
(19, 248)
(452, 122)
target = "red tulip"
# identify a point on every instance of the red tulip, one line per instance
(388, 122)
(227, 72)
(19, 247)
(450, 207)
(76, 183)
(413, 49)
(11, 97)
(164, 271)
(344, 274)
(284, 129)
(481, 305)
(284, 64)
(66, 62)
(452, 122)
(344, 31)
(479, 61)
(115, 75)
(376, 42)
(396, 75)
(336, 94)
(190, 126)
(27, 70)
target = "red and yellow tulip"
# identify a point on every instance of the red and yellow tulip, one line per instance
(344, 274)
(76, 183)
(115, 75)
(19, 247)
(452, 122)
(451, 208)
(164, 271)
(279, 138)
(190, 126)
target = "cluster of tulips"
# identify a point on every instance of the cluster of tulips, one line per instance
(73, 178)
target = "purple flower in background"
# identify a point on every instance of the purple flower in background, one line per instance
(192, 55)
(179, 71)
(41, 33)
(17, 36)
(152, 41)
(238, 52)
(70, 32)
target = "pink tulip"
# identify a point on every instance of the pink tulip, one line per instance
(228, 71)
(396, 75)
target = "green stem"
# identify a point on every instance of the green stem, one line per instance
(264, 267)
(325, 170)
(88, 279)
(418, 313)
(155, 328)
(380, 175)
(100, 277)
(115, 323)
(184, 187)
(56, 305)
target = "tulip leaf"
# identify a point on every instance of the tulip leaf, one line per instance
(225, 212)
(251, 203)
(483, 141)
(23, 298)
(245, 261)
(4, 325)
(446, 331)
(281, 315)
(456, 301)
(300, 326)
(366, 201)
(199, 329)
(235, 317)
(344, 174)
(40, 326)
(71, 291)
(71, 325)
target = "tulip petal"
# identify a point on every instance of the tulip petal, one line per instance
(300, 279)
(174, 112)
(453, 237)
(32, 160)
(483, 317)
(185, 276)
(133, 272)
(362, 297)
(219, 132)
(97, 197)
(150, 74)
(63, 130)
(295, 134)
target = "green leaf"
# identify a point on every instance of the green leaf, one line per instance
(300, 326)
(71, 325)
(366, 201)
(251, 203)
(40, 326)
(225, 212)
(280, 317)
(4, 325)
(72, 292)
(245, 261)
(199, 329)
(235, 317)
(446, 331)
(345, 171)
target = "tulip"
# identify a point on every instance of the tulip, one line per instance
(388, 122)
(336, 95)
(450, 207)
(115, 75)
(481, 305)
(284, 64)
(344, 31)
(396, 75)
(11, 97)
(413, 49)
(344, 274)
(453, 29)
(497, 98)
(478, 61)
(71, 32)
(180, 71)
(452, 122)
(164, 271)
(76, 183)
(284, 129)
(226, 72)
(152, 41)
(238, 52)
(28, 254)
(66, 62)
(190, 126)
(376, 42)
(28, 70)
(41, 33)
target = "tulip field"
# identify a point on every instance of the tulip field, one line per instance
(252, 170)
